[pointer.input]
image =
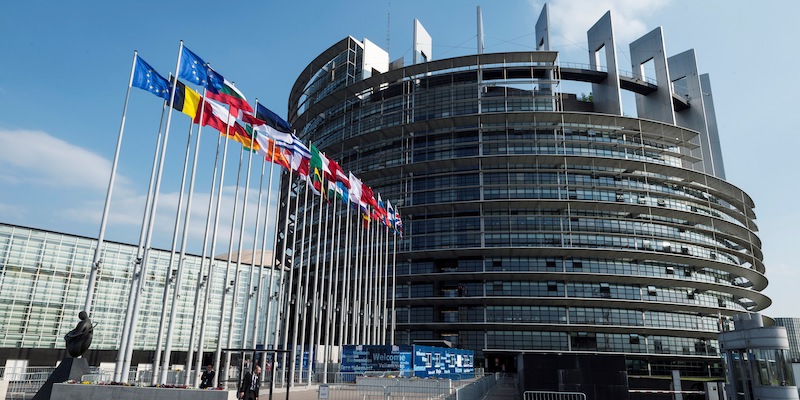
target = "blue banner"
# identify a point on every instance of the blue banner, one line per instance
(359, 359)
(424, 361)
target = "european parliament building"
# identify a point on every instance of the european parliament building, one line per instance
(539, 221)
(43, 281)
(536, 220)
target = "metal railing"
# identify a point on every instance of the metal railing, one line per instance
(23, 384)
(350, 377)
(376, 392)
(478, 389)
(544, 395)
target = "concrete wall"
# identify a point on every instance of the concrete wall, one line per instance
(66, 391)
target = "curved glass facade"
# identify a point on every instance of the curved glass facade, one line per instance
(533, 223)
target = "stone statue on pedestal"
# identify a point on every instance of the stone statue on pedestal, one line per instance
(79, 339)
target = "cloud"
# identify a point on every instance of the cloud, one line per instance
(127, 212)
(80, 177)
(570, 19)
(38, 158)
(10, 212)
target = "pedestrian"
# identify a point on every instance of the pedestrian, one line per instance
(248, 390)
(207, 379)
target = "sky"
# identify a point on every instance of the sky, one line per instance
(65, 66)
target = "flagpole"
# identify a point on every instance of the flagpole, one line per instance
(204, 281)
(150, 225)
(378, 282)
(367, 282)
(344, 303)
(96, 260)
(369, 288)
(377, 315)
(377, 286)
(313, 325)
(231, 282)
(283, 303)
(330, 301)
(358, 311)
(394, 283)
(182, 259)
(201, 281)
(366, 274)
(297, 299)
(353, 291)
(258, 289)
(137, 262)
(385, 316)
(246, 326)
(213, 258)
(302, 303)
(367, 270)
(170, 276)
(271, 264)
(355, 324)
(281, 331)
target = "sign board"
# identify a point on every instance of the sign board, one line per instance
(362, 358)
(323, 392)
(424, 361)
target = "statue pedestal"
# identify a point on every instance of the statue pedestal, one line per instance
(69, 369)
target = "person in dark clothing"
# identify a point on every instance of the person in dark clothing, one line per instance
(248, 390)
(207, 379)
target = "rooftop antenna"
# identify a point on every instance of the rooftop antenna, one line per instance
(388, 23)
(480, 31)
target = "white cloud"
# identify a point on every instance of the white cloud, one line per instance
(35, 160)
(127, 212)
(36, 157)
(782, 289)
(570, 19)
(10, 212)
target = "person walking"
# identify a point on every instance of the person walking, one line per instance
(248, 390)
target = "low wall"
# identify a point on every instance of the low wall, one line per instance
(75, 391)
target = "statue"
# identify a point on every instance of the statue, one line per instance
(79, 339)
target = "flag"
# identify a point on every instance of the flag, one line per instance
(389, 214)
(193, 69)
(301, 156)
(300, 165)
(272, 120)
(354, 193)
(367, 199)
(278, 129)
(368, 196)
(217, 116)
(337, 191)
(231, 96)
(186, 100)
(337, 174)
(271, 152)
(318, 165)
(398, 223)
(145, 77)
(380, 211)
(250, 119)
(342, 192)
